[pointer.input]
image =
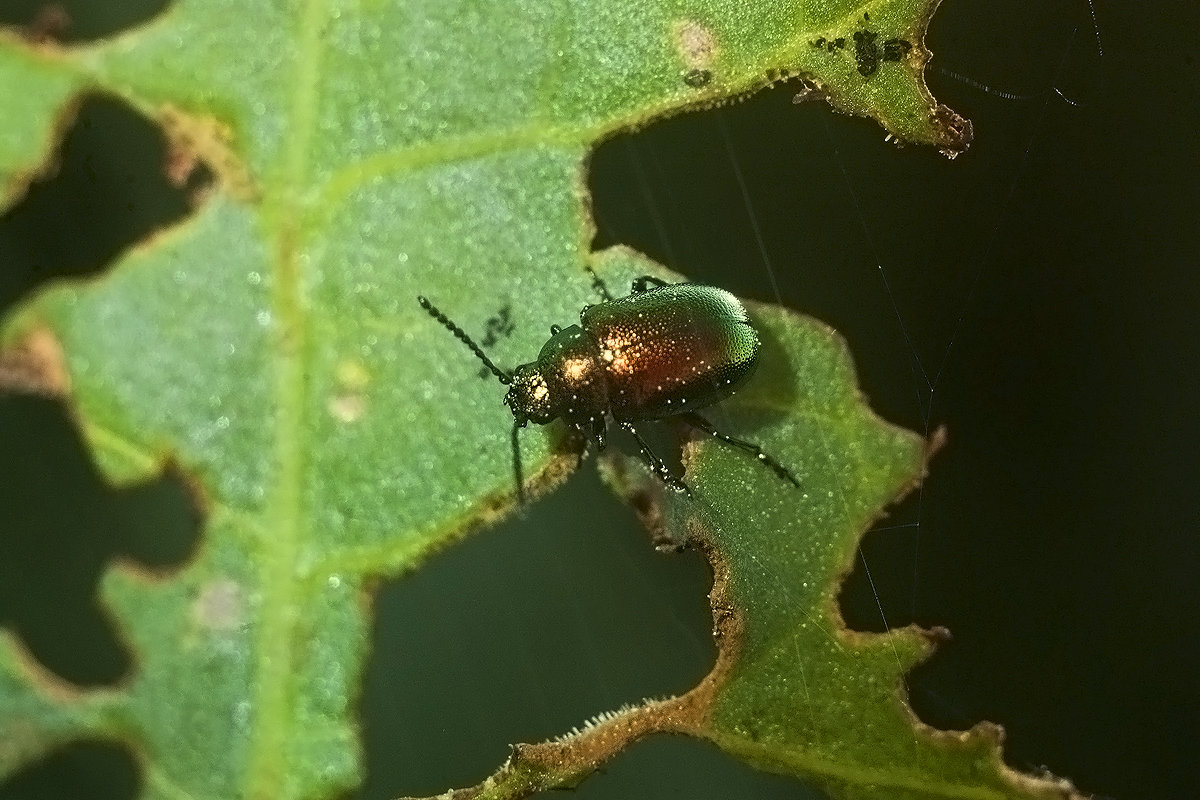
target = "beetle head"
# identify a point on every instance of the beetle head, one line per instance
(529, 396)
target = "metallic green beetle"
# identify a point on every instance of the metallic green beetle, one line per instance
(666, 350)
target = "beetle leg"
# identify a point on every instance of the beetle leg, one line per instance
(586, 432)
(656, 464)
(582, 434)
(639, 284)
(599, 433)
(579, 443)
(599, 286)
(516, 448)
(700, 423)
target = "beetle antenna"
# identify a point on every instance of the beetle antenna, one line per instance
(516, 448)
(462, 336)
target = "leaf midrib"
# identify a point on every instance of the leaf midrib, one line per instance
(286, 526)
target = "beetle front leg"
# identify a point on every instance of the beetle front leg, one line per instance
(656, 464)
(599, 433)
(518, 475)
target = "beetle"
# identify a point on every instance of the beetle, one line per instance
(664, 351)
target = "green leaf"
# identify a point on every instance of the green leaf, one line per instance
(272, 348)
(29, 116)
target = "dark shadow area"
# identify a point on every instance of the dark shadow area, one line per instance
(682, 767)
(109, 191)
(880, 593)
(524, 632)
(92, 770)
(62, 526)
(1036, 296)
(787, 204)
(77, 21)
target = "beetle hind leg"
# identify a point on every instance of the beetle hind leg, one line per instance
(656, 464)
(700, 423)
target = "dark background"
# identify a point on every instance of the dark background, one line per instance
(1036, 296)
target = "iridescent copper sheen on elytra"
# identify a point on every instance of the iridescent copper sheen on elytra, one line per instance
(654, 354)
(673, 349)
(661, 352)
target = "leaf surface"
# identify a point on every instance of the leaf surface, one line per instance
(271, 346)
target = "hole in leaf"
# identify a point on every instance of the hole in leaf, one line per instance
(63, 523)
(95, 770)
(883, 594)
(62, 526)
(108, 191)
(679, 766)
(670, 191)
(73, 21)
(522, 633)
(1061, 558)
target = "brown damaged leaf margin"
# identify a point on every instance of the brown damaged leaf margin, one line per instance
(933, 636)
(488, 511)
(954, 132)
(204, 140)
(1046, 784)
(565, 762)
(698, 49)
(52, 686)
(34, 364)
